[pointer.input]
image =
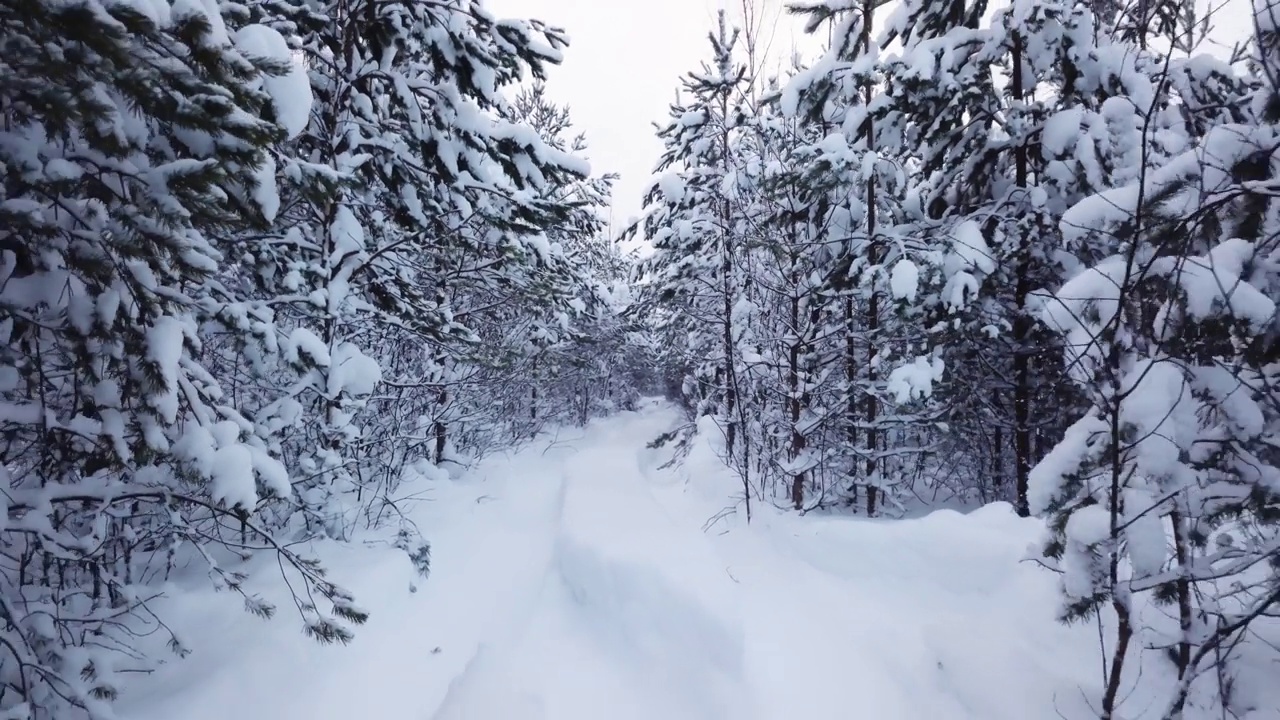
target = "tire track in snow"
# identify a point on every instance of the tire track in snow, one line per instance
(651, 592)
(498, 574)
(636, 618)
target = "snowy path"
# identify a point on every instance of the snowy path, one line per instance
(624, 623)
(575, 582)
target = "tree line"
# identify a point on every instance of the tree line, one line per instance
(1023, 253)
(264, 265)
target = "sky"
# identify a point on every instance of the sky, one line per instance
(621, 72)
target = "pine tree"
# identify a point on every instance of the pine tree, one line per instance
(688, 220)
(135, 139)
(551, 336)
(853, 172)
(1164, 477)
(415, 208)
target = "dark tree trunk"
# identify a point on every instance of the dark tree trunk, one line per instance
(1021, 326)
(873, 257)
(793, 391)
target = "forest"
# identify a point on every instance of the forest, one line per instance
(269, 267)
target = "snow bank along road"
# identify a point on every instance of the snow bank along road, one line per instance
(574, 580)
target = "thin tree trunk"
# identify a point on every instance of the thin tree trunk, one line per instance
(873, 257)
(1021, 325)
(997, 448)
(533, 398)
(441, 428)
(1182, 551)
(1119, 597)
(1124, 627)
(851, 383)
(793, 392)
(726, 263)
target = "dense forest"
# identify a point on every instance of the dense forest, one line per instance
(266, 263)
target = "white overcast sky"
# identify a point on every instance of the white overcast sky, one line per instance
(621, 72)
(626, 57)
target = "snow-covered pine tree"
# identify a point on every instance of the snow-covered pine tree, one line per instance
(690, 283)
(787, 348)
(1167, 486)
(570, 369)
(969, 189)
(853, 171)
(413, 207)
(136, 135)
(962, 105)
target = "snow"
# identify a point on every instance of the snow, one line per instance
(1117, 205)
(1215, 281)
(272, 472)
(672, 187)
(1145, 537)
(157, 11)
(915, 380)
(971, 247)
(1061, 131)
(1084, 304)
(303, 342)
(196, 446)
(1083, 575)
(291, 92)
(353, 372)
(265, 190)
(575, 579)
(1158, 406)
(1045, 481)
(970, 260)
(232, 477)
(904, 281)
(164, 348)
(348, 247)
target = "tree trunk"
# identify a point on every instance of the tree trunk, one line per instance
(1182, 551)
(873, 257)
(441, 428)
(1124, 627)
(872, 406)
(851, 400)
(793, 391)
(726, 265)
(1021, 325)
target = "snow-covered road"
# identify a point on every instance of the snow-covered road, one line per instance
(573, 580)
(629, 615)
